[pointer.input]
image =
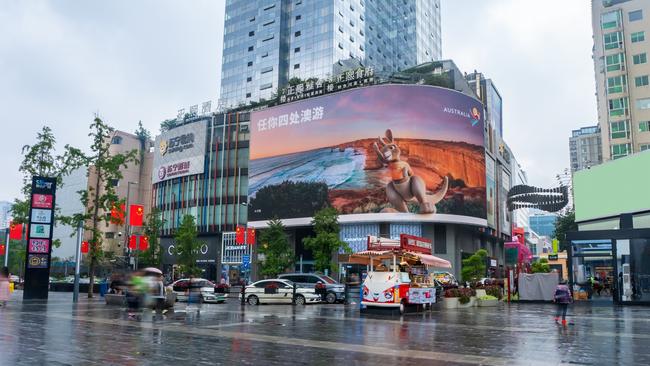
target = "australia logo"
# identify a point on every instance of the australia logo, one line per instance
(476, 116)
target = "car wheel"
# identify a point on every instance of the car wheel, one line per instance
(300, 300)
(330, 298)
(253, 300)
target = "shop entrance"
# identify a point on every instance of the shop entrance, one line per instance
(593, 270)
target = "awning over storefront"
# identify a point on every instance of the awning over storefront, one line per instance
(377, 256)
(432, 260)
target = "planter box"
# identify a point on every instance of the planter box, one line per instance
(486, 303)
(470, 304)
(480, 292)
(450, 302)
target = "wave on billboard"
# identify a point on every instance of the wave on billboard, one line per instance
(388, 148)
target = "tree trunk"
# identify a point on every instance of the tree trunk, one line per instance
(94, 245)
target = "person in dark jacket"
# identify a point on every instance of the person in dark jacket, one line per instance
(562, 298)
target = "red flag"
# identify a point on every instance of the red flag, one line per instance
(144, 243)
(84, 247)
(136, 215)
(15, 231)
(239, 234)
(117, 214)
(250, 238)
(2, 249)
(132, 242)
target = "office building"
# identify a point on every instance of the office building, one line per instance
(621, 49)
(543, 224)
(585, 148)
(269, 42)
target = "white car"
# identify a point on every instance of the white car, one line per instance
(278, 291)
(207, 290)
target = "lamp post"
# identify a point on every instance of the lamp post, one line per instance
(127, 229)
(7, 249)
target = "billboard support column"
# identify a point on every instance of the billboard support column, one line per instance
(7, 249)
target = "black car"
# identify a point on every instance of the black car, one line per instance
(334, 290)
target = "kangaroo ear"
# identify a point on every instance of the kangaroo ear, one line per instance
(389, 135)
(381, 140)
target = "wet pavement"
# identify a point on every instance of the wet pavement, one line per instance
(89, 333)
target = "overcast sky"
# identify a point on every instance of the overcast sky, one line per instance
(62, 61)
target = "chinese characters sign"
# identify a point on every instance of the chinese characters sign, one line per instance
(294, 118)
(180, 152)
(349, 79)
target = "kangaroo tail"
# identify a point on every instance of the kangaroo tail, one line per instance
(440, 194)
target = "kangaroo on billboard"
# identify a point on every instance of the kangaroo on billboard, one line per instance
(405, 186)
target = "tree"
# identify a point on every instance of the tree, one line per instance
(327, 241)
(278, 256)
(540, 266)
(474, 267)
(100, 196)
(167, 125)
(152, 257)
(187, 246)
(564, 224)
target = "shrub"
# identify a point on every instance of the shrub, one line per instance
(452, 292)
(487, 297)
(494, 291)
(541, 266)
(463, 299)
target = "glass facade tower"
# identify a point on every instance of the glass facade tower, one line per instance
(268, 42)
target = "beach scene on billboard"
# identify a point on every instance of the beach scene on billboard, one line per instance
(380, 149)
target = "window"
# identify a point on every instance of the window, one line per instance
(270, 7)
(250, 48)
(616, 84)
(270, 37)
(340, 29)
(250, 63)
(109, 235)
(644, 147)
(249, 79)
(114, 182)
(248, 95)
(296, 50)
(298, 17)
(615, 62)
(251, 33)
(638, 37)
(643, 103)
(641, 81)
(440, 239)
(268, 23)
(251, 19)
(296, 66)
(635, 15)
(266, 86)
(621, 150)
(266, 69)
(619, 130)
(641, 58)
(265, 54)
(116, 140)
(644, 126)
(613, 40)
(340, 45)
(618, 107)
(611, 20)
(297, 34)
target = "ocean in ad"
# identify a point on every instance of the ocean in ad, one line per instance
(338, 169)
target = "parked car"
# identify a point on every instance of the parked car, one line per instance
(335, 290)
(207, 290)
(278, 291)
(446, 279)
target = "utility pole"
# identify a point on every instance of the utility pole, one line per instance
(75, 295)
(7, 249)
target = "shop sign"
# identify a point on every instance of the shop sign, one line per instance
(349, 79)
(415, 244)
(552, 257)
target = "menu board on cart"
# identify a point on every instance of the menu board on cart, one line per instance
(422, 295)
(39, 236)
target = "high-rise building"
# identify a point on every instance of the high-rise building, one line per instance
(621, 46)
(268, 42)
(543, 224)
(585, 148)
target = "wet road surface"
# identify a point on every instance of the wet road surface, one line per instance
(89, 333)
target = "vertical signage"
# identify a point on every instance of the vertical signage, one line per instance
(39, 238)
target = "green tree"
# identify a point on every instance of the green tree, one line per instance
(187, 246)
(100, 196)
(275, 248)
(327, 241)
(167, 125)
(540, 266)
(564, 224)
(152, 257)
(474, 267)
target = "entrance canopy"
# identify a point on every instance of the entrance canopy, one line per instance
(376, 257)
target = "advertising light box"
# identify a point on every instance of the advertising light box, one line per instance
(179, 152)
(378, 149)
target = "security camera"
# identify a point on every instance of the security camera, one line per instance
(119, 234)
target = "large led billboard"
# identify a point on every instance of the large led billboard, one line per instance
(179, 152)
(380, 149)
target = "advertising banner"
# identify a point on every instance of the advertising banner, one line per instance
(39, 237)
(491, 192)
(378, 149)
(179, 152)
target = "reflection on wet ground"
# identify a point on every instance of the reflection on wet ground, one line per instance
(60, 333)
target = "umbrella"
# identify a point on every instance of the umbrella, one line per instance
(153, 270)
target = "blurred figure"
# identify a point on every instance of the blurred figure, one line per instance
(136, 290)
(4, 286)
(562, 298)
(194, 294)
(117, 285)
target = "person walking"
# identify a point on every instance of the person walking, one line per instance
(562, 298)
(4, 286)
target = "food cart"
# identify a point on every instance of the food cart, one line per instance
(398, 275)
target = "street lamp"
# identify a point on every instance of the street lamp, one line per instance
(128, 218)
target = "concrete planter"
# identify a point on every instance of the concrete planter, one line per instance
(450, 302)
(470, 304)
(480, 292)
(487, 303)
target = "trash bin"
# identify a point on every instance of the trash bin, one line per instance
(103, 289)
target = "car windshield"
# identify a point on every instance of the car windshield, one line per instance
(328, 279)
